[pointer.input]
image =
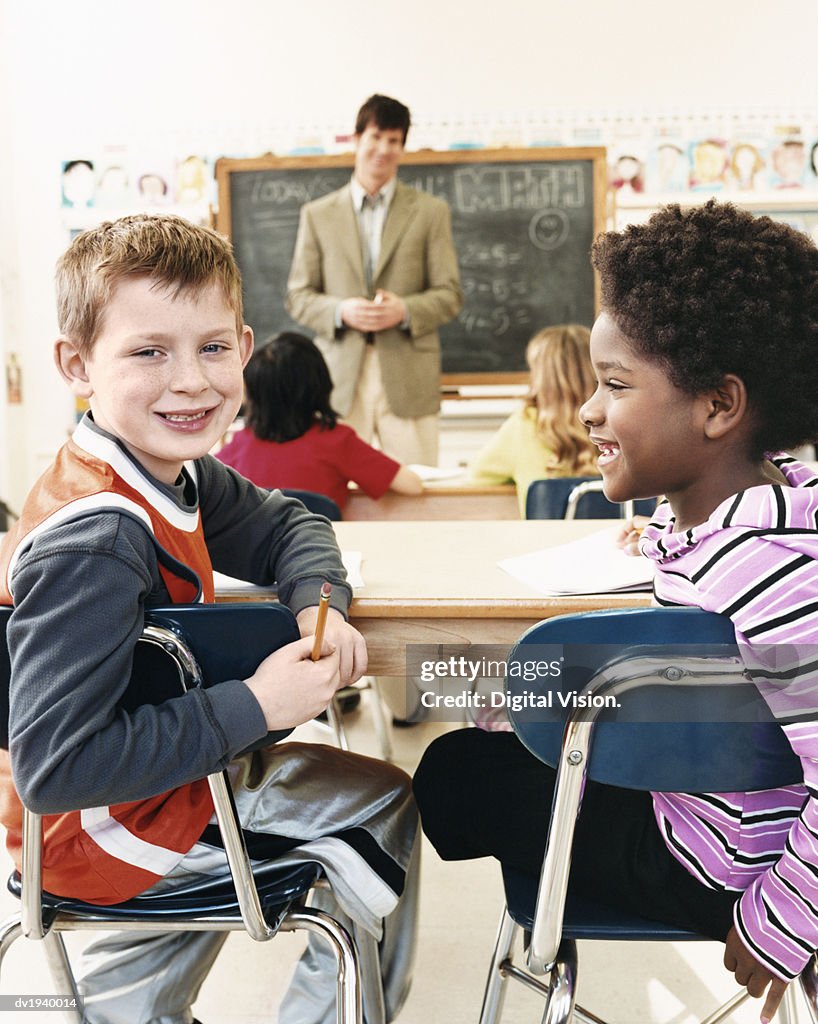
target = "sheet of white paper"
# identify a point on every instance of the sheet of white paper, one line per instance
(352, 563)
(429, 473)
(229, 585)
(590, 565)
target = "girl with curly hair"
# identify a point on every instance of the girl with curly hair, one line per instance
(706, 361)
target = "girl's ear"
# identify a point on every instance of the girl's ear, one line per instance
(72, 367)
(728, 407)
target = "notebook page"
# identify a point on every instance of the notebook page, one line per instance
(594, 564)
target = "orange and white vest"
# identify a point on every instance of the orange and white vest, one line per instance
(109, 854)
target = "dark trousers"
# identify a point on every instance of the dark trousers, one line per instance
(482, 794)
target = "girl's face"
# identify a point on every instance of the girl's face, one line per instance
(650, 433)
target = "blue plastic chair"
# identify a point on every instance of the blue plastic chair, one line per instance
(683, 661)
(576, 497)
(320, 504)
(183, 646)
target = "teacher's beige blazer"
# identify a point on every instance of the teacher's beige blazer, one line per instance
(417, 262)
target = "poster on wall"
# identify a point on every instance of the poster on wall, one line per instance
(78, 182)
(788, 163)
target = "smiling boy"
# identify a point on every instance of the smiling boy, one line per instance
(134, 513)
(167, 378)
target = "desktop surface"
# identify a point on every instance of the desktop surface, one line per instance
(439, 583)
(433, 566)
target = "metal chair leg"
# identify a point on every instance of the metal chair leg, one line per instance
(562, 985)
(10, 930)
(58, 964)
(336, 723)
(497, 981)
(809, 987)
(61, 973)
(723, 1012)
(348, 990)
(788, 1010)
(383, 728)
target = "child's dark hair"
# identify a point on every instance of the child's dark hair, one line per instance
(287, 386)
(715, 290)
(385, 113)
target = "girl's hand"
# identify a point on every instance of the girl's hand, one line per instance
(342, 638)
(628, 536)
(753, 975)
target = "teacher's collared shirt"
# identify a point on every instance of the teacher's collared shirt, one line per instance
(371, 213)
(371, 218)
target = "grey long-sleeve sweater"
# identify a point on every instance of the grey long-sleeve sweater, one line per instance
(80, 592)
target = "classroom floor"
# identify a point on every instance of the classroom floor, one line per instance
(460, 910)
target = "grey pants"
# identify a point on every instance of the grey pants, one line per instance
(304, 790)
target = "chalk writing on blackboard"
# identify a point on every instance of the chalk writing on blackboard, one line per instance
(523, 222)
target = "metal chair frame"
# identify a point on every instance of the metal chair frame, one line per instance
(626, 509)
(551, 964)
(44, 918)
(380, 719)
(580, 487)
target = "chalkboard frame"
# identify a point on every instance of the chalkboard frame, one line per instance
(596, 155)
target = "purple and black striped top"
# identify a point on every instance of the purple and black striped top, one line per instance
(755, 560)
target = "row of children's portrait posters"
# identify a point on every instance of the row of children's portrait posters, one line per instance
(712, 164)
(656, 159)
(116, 183)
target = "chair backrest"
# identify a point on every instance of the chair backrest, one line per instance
(676, 730)
(549, 499)
(229, 641)
(197, 645)
(685, 719)
(320, 504)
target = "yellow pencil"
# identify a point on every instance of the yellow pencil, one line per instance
(321, 622)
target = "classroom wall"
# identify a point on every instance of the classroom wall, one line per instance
(207, 76)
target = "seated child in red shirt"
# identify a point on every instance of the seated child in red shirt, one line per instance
(293, 439)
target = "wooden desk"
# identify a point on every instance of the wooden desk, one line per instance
(439, 501)
(439, 583)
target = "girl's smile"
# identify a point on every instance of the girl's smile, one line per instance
(656, 439)
(643, 426)
(607, 451)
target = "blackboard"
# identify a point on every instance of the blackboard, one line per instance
(523, 222)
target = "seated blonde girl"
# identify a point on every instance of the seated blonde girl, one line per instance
(544, 437)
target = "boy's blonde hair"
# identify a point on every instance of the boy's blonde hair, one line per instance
(169, 250)
(562, 379)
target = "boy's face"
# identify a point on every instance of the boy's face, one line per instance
(165, 373)
(649, 432)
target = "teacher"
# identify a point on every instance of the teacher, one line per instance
(374, 275)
